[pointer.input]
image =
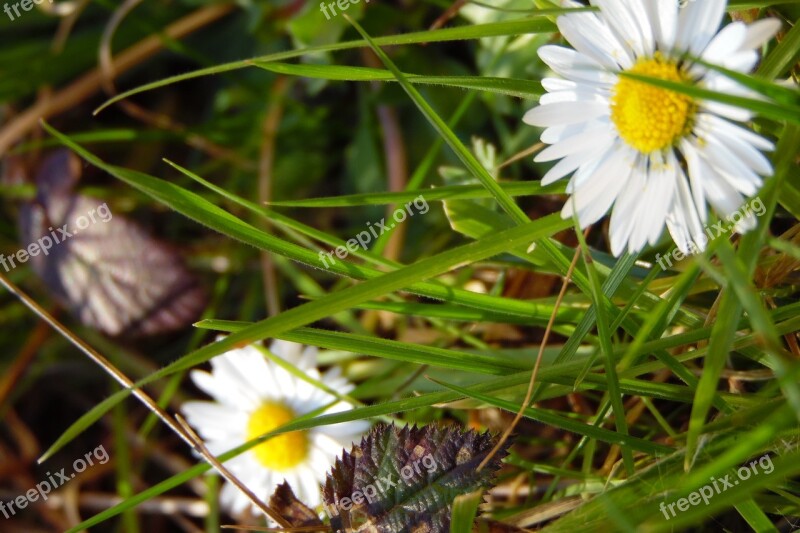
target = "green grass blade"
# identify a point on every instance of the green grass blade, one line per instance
(448, 192)
(508, 86)
(538, 24)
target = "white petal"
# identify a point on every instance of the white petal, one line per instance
(622, 219)
(288, 351)
(725, 42)
(214, 421)
(745, 152)
(728, 111)
(330, 446)
(761, 31)
(573, 65)
(741, 61)
(683, 221)
(642, 21)
(346, 433)
(232, 499)
(590, 36)
(575, 144)
(582, 95)
(663, 191)
(721, 195)
(309, 485)
(558, 84)
(698, 23)
(629, 23)
(572, 162)
(231, 371)
(663, 15)
(699, 172)
(593, 199)
(555, 134)
(657, 198)
(717, 123)
(223, 392)
(728, 165)
(565, 113)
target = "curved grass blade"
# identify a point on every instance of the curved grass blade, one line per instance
(579, 428)
(508, 86)
(447, 192)
(388, 349)
(536, 24)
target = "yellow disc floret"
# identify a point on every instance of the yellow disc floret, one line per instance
(284, 451)
(647, 117)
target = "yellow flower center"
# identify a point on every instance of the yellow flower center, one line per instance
(647, 117)
(284, 451)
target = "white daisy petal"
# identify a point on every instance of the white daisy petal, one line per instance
(663, 15)
(728, 111)
(590, 95)
(572, 145)
(724, 161)
(663, 190)
(629, 23)
(721, 195)
(286, 350)
(740, 61)
(232, 499)
(683, 220)
(591, 37)
(564, 113)
(217, 388)
(573, 161)
(593, 199)
(698, 22)
(655, 201)
(555, 134)
(746, 152)
(761, 31)
(621, 225)
(730, 38)
(728, 128)
(643, 24)
(698, 173)
(310, 486)
(213, 419)
(575, 66)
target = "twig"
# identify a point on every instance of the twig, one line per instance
(545, 338)
(100, 360)
(90, 83)
(266, 165)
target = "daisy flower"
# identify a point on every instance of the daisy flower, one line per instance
(253, 396)
(657, 156)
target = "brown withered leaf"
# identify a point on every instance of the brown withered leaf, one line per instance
(285, 503)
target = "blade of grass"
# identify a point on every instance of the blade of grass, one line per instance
(538, 24)
(604, 336)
